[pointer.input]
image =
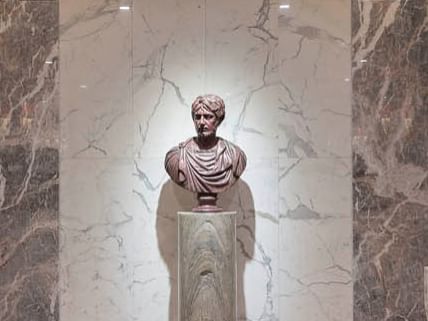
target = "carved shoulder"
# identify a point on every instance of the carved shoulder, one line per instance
(172, 159)
(175, 162)
(238, 157)
(241, 161)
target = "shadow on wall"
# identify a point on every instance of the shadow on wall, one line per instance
(174, 199)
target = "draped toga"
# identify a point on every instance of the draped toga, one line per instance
(205, 170)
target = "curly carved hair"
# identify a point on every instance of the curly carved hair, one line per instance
(212, 102)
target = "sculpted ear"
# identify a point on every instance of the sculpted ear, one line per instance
(219, 121)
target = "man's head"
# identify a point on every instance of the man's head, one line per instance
(207, 113)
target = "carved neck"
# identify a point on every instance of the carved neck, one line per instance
(206, 142)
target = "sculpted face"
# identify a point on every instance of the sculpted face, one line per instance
(206, 122)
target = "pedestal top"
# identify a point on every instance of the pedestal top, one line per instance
(207, 213)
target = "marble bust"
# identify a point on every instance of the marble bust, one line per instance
(206, 164)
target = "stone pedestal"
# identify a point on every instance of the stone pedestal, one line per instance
(426, 290)
(207, 266)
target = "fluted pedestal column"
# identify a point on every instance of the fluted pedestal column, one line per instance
(207, 266)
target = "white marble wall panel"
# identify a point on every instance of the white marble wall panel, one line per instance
(307, 183)
(144, 68)
(95, 79)
(97, 202)
(167, 76)
(315, 163)
(316, 240)
(315, 72)
(240, 55)
(167, 72)
(94, 262)
(194, 51)
(111, 266)
(260, 270)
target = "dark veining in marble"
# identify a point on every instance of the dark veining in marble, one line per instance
(28, 69)
(390, 134)
(28, 161)
(28, 235)
(390, 248)
(355, 13)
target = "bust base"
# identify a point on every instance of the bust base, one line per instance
(207, 203)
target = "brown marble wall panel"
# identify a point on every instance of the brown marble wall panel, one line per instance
(28, 160)
(390, 153)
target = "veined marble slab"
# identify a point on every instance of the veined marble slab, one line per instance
(29, 123)
(390, 136)
(95, 79)
(167, 72)
(314, 43)
(314, 124)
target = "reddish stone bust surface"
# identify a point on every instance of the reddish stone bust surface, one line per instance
(206, 164)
